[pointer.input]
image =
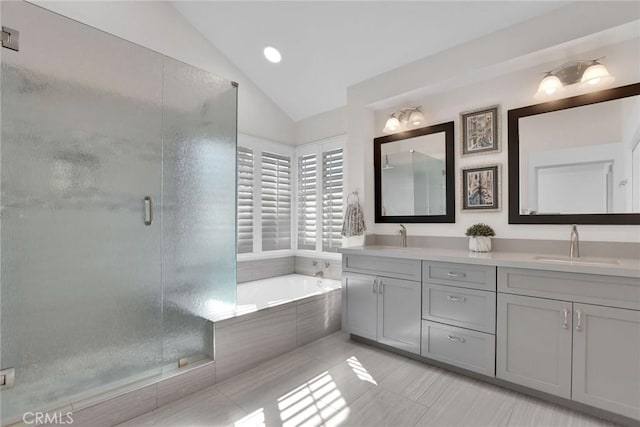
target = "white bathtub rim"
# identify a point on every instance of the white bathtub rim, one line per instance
(245, 309)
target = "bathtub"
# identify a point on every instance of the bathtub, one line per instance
(265, 293)
(274, 316)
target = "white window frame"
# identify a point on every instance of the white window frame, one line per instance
(318, 194)
(258, 145)
(318, 147)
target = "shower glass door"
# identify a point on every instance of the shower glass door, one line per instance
(81, 293)
(198, 208)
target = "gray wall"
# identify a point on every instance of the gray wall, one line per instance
(265, 268)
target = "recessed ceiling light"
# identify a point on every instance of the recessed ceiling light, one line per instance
(272, 54)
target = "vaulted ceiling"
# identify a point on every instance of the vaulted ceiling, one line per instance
(327, 46)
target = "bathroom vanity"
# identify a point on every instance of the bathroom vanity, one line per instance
(555, 328)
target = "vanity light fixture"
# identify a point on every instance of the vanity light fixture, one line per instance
(596, 74)
(549, 85)
(409, 115)
(588, 73)
(392, 124)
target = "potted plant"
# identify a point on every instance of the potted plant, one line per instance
(480, 237)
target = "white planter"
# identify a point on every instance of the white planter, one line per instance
(480, 244)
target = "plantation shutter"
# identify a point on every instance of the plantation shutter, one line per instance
(332, 184)
(307, 201)
(275, 177)
(245, 200)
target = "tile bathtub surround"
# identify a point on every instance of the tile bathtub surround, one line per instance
(245, 341)
(248, 271)
(318, 318)
(243, 344)
(304, 265)
(336, 381)
(551, 247)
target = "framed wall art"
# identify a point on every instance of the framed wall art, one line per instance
(480, 131)
(481, 188)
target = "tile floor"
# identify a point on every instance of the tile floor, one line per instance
(338, 382)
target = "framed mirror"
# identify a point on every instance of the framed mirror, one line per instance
(414, 175)
(576, 160)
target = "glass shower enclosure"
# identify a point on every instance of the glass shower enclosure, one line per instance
(117, 211)
(413, 183)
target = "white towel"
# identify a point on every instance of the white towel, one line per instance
(353, 224)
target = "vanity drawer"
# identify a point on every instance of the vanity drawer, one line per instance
(613, 291)
(467, 349)
(467, 308)
(465, 275)
(399, 268)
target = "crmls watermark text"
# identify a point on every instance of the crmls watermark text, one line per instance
(47, 417)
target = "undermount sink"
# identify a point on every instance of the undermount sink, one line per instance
(577, 261)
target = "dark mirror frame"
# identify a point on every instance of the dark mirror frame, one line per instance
(450, 216)
(514, 159)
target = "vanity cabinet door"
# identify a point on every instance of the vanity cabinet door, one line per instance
(399, 306)
(606, 358)
(534, 343)
(360, 308)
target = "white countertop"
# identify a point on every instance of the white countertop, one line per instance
(624, 267)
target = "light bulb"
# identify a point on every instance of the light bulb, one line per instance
(549, 85)
(416, 117)
(272, 54)
(596, 74)
(392, 124)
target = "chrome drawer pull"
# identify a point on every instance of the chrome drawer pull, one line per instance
(579, 318)
(148, 211)
(455, 298)
(452, 274)
(455, 339)
(565, 313)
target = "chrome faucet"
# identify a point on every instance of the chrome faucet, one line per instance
(318, 273)
(574, 249)
(403, 235)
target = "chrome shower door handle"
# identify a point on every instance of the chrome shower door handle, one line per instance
(148, 211)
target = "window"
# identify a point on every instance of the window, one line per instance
(332, 162)
(245, 200)
(275, 175)
(289, 198)
(307, 201)
(320, 189)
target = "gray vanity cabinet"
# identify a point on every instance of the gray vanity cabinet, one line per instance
(606, 358)
(533, 345)
(382, 309)
(399, 313)
(360, 304)
(459, 315)
(571, 344)
(383, 304)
